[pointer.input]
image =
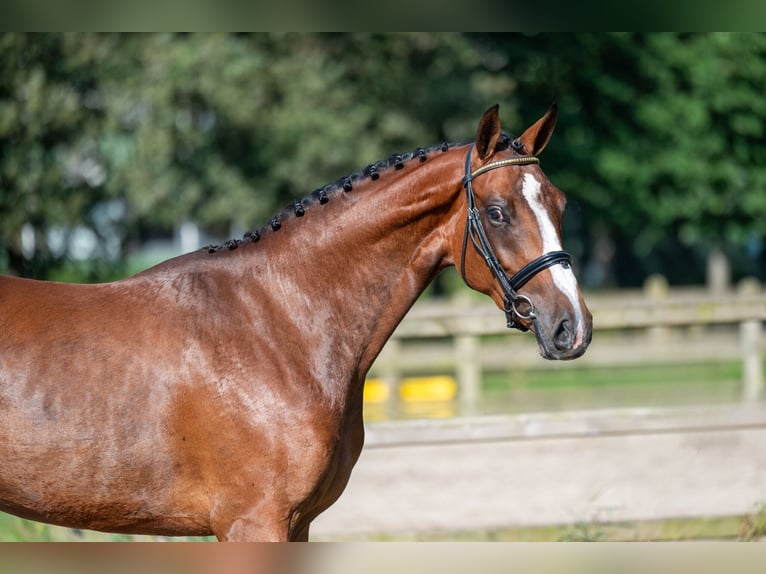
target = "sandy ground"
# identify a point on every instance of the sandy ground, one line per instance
(493, 472)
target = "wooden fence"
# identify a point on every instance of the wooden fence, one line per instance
(657, 325)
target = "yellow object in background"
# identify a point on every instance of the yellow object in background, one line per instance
(427, 389)
(418, 397)
(413, 389)
(375, 391)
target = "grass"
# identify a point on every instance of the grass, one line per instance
(754, 524)
(606, 387)
(749, 527)
(583, 388)
(15, 529)
(717, 528)
(615, 376)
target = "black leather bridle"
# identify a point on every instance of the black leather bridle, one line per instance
(516, 306)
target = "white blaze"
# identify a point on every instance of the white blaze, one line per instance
(563, 278)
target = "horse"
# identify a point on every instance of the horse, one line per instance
(220, 392)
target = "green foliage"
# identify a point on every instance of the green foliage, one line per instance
(699, 116)
(584, 531)
(659, 137)
(220, 129)
(15, 529)
(753, 527)
(658, 144)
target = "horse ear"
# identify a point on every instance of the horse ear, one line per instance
(488, 132)
(536, 136)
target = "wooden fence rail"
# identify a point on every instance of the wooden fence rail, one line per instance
(467, 336)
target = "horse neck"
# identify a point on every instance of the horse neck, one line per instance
(353, 267)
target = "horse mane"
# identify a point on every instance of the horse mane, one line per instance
(323, 194)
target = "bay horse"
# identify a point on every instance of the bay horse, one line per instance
(220, 392)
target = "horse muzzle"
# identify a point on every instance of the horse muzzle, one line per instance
(563, 337)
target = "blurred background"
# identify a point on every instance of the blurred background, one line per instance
(113, 146)
(118, 151)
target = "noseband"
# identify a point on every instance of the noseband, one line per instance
(516, 306)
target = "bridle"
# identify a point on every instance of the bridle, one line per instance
(475, 230)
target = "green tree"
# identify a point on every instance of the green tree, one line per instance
(46, 180)
(658, 144)
(659, 137)
(694, 163)
(134, 132)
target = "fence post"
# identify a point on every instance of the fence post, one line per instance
(389, 366)
(468, 366)
(718, 273)
(656, 289)
(750, 336)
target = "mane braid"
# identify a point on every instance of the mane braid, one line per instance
(346, 184)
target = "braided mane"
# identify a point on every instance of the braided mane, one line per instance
(323, 194)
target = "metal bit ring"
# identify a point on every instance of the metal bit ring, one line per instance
(514, 306)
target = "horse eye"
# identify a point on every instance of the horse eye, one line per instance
(496, 214)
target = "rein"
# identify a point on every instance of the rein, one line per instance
(516, 305)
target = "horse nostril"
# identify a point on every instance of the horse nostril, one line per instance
(563, 337)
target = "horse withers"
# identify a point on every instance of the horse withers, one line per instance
(220, 392)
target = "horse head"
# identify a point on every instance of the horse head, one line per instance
(510, 247)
